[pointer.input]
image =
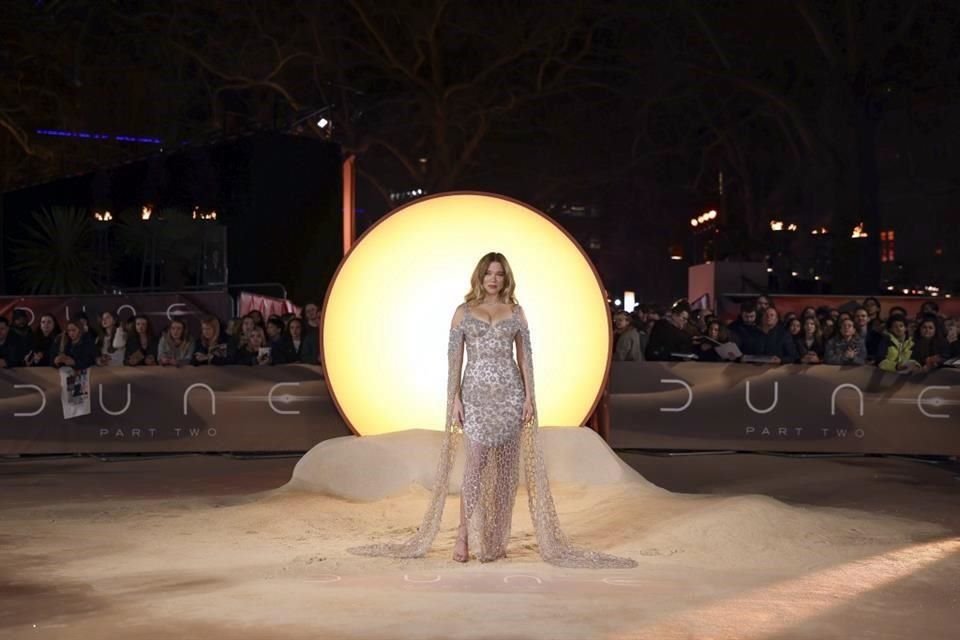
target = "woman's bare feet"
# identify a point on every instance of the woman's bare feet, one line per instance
(460, 551)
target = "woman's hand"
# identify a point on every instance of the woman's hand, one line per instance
(527, 410)
(457, 411)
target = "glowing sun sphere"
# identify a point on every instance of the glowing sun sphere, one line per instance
(386, 319)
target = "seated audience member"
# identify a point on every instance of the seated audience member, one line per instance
(310, 351)
(175, 348)
(861, 320)
(289, 349)
(74, 348)
(627, 345)
(808, 312)
(311, 314)
(794, 327)
(84, 322)
(211, 346)
(668, 335)
(48, 330)
(12, 349)
(952, 328)
(828, 328)
(872, 305)
(809, 342)
(897, 347)
(20, 325)
(239, 339)
(706, 349)
(930, 347)
(274, 330)
(255, 351)
(763, 303)
(871, 336)
(112, 341)
(141, 349)
(257, 318)
(847, 347)
(744, 330)
(777, 343)
(232, 328)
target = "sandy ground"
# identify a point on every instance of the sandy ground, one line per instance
(740, 546)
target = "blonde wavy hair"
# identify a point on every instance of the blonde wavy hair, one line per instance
(476, 294)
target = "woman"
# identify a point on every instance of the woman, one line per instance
(175, 348)
(210, 347)
(829, 329)
(930, 348)
(809, 342)
(141, 349)
(44, 339)
(847, 347)
(627, 338)
(716, 333)
(238, 340)
(111, 342)
(75, 348)
(492, 410)
(289, 349)
(255, 351)
(794, 327)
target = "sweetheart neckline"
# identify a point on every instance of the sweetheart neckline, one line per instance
(492, 325)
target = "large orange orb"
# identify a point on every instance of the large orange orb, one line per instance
(386, 319)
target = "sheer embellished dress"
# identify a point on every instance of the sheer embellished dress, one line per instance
(495, 442)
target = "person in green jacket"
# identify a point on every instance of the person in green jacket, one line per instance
(899, 348)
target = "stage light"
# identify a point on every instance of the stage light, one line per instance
(694, 222)
(146, 212)
(416, 262)
(322, 123)
(629, 301)
(617, 302)
(776, 225)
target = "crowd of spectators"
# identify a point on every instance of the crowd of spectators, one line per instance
(110, 342)
(862, 335)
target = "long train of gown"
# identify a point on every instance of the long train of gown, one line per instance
(492, 393)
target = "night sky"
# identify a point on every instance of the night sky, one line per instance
(622, 119)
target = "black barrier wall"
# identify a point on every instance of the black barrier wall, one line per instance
(136, 409)
(819, 408)
(695, 406)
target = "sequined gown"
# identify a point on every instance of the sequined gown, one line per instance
(495, 442)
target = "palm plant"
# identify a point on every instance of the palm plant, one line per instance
(57, 254)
